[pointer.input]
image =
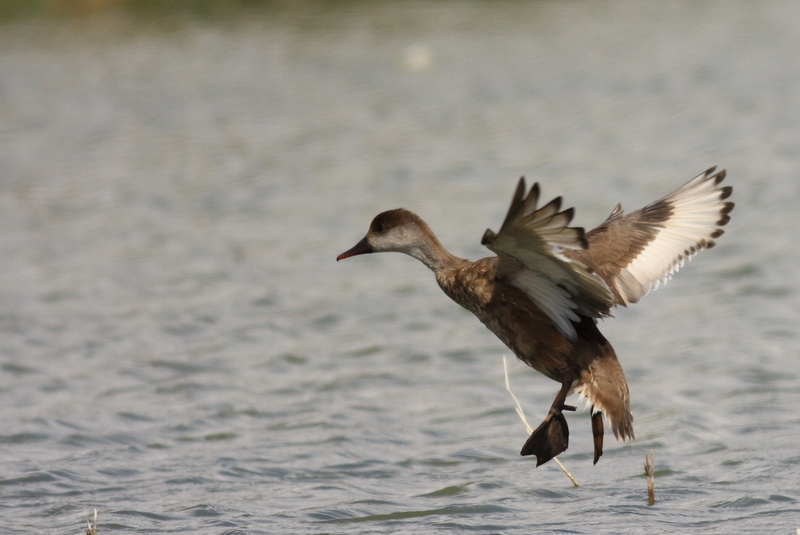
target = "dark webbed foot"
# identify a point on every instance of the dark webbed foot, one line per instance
(549, 439)
(597, 433)
(552, 436)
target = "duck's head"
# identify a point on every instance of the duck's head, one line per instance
(399, 231)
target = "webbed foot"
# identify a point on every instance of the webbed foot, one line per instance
(549, 439)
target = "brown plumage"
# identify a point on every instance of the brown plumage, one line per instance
(549, 282)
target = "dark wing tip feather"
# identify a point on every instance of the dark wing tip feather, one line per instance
(720, 176)
(724, 214)
(531, 200)
(717, 233)
(728, 208)
(533, 195)
(520, 192)
(552, 207)
(725, 192)
(517, 204)
(569, 213)
(546, 213)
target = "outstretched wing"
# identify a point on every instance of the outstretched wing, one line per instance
(637, 252)
(530, 247)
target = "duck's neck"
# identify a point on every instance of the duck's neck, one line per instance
(437, 259)
(432, 253)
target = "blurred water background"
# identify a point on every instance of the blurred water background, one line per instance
(181, 352)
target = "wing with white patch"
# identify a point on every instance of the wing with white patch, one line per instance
(530, 247)
(636, 253)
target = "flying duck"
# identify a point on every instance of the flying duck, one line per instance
(543, 292)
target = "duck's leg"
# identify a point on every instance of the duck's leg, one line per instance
(552, 436)
(597, 433)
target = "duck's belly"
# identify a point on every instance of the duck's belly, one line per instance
(533, 350)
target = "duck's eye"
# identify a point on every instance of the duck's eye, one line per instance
(379, 227)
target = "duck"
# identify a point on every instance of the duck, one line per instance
(548, 285)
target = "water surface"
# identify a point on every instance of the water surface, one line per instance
(180, 350)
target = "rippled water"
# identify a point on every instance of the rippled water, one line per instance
(181, 352)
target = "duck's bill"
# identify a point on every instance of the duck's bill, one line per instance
(362, 247)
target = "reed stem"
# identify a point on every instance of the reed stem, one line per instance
(649, 470)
